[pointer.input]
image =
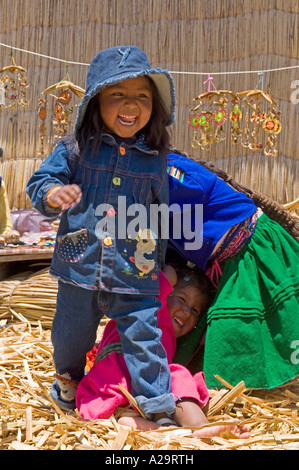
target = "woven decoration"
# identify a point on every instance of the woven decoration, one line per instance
(252, 115)
(262, 122)
(42, 113)
(210, 116)
(61, 111)
(13, 86)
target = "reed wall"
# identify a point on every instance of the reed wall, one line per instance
(215, 36)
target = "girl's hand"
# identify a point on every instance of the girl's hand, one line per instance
(64, 196)
(170, 273)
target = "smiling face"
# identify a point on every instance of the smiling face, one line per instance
(127, 106)
(185, 305)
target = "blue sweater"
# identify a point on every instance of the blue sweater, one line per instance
(211, 205)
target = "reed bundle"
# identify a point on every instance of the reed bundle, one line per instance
(205, 37)
(29, 297)
(16, 173)
(29, 420)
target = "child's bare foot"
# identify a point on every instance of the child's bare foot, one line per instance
(241, 432)
(138, 422)
(142, 424)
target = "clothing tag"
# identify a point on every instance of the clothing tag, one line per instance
(176, 173)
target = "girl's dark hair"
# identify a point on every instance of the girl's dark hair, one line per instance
(197, 278)
(90, 131)
(271, 208)
(155, 132)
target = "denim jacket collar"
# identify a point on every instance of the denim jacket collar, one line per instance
(139, 144)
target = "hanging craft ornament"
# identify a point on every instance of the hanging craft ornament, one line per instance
(235, 119)
(209, 117)
(253, 116)
(62, 93)
(42, 113)
(13, 86)
(262, 122)
(62, 109)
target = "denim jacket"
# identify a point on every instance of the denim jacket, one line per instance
(98, 244)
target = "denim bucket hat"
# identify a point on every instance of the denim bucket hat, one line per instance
(119, 63)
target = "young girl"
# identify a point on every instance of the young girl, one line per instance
(114, 164)
(185, 295)
(252, 327)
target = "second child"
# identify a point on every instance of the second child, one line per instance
(185, 296)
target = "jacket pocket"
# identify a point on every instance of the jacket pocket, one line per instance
(72, 246)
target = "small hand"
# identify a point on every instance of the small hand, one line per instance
(65, 196)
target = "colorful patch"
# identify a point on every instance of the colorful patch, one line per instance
(176, 173)
(146, 245)
(142, 257)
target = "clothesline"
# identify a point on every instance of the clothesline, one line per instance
(172, 72)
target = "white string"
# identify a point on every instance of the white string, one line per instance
(172, 72)
(42, 55)
(239, 71)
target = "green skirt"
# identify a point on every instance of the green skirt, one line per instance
(252, 328)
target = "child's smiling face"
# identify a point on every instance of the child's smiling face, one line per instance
(126, 107)
(184, 305)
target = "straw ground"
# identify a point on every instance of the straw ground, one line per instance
(30, 420)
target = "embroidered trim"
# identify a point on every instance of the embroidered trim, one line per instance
(176, 173)
(107, 350)
(236, 238)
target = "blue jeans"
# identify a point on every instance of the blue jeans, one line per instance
(74, 328)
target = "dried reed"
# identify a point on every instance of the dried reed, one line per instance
(29, 297)
(31, 421)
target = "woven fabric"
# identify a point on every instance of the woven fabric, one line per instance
(107, 350)
(252, 327)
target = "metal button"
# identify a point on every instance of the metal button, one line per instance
(107, 241)
(116, 181)
(111, 212)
